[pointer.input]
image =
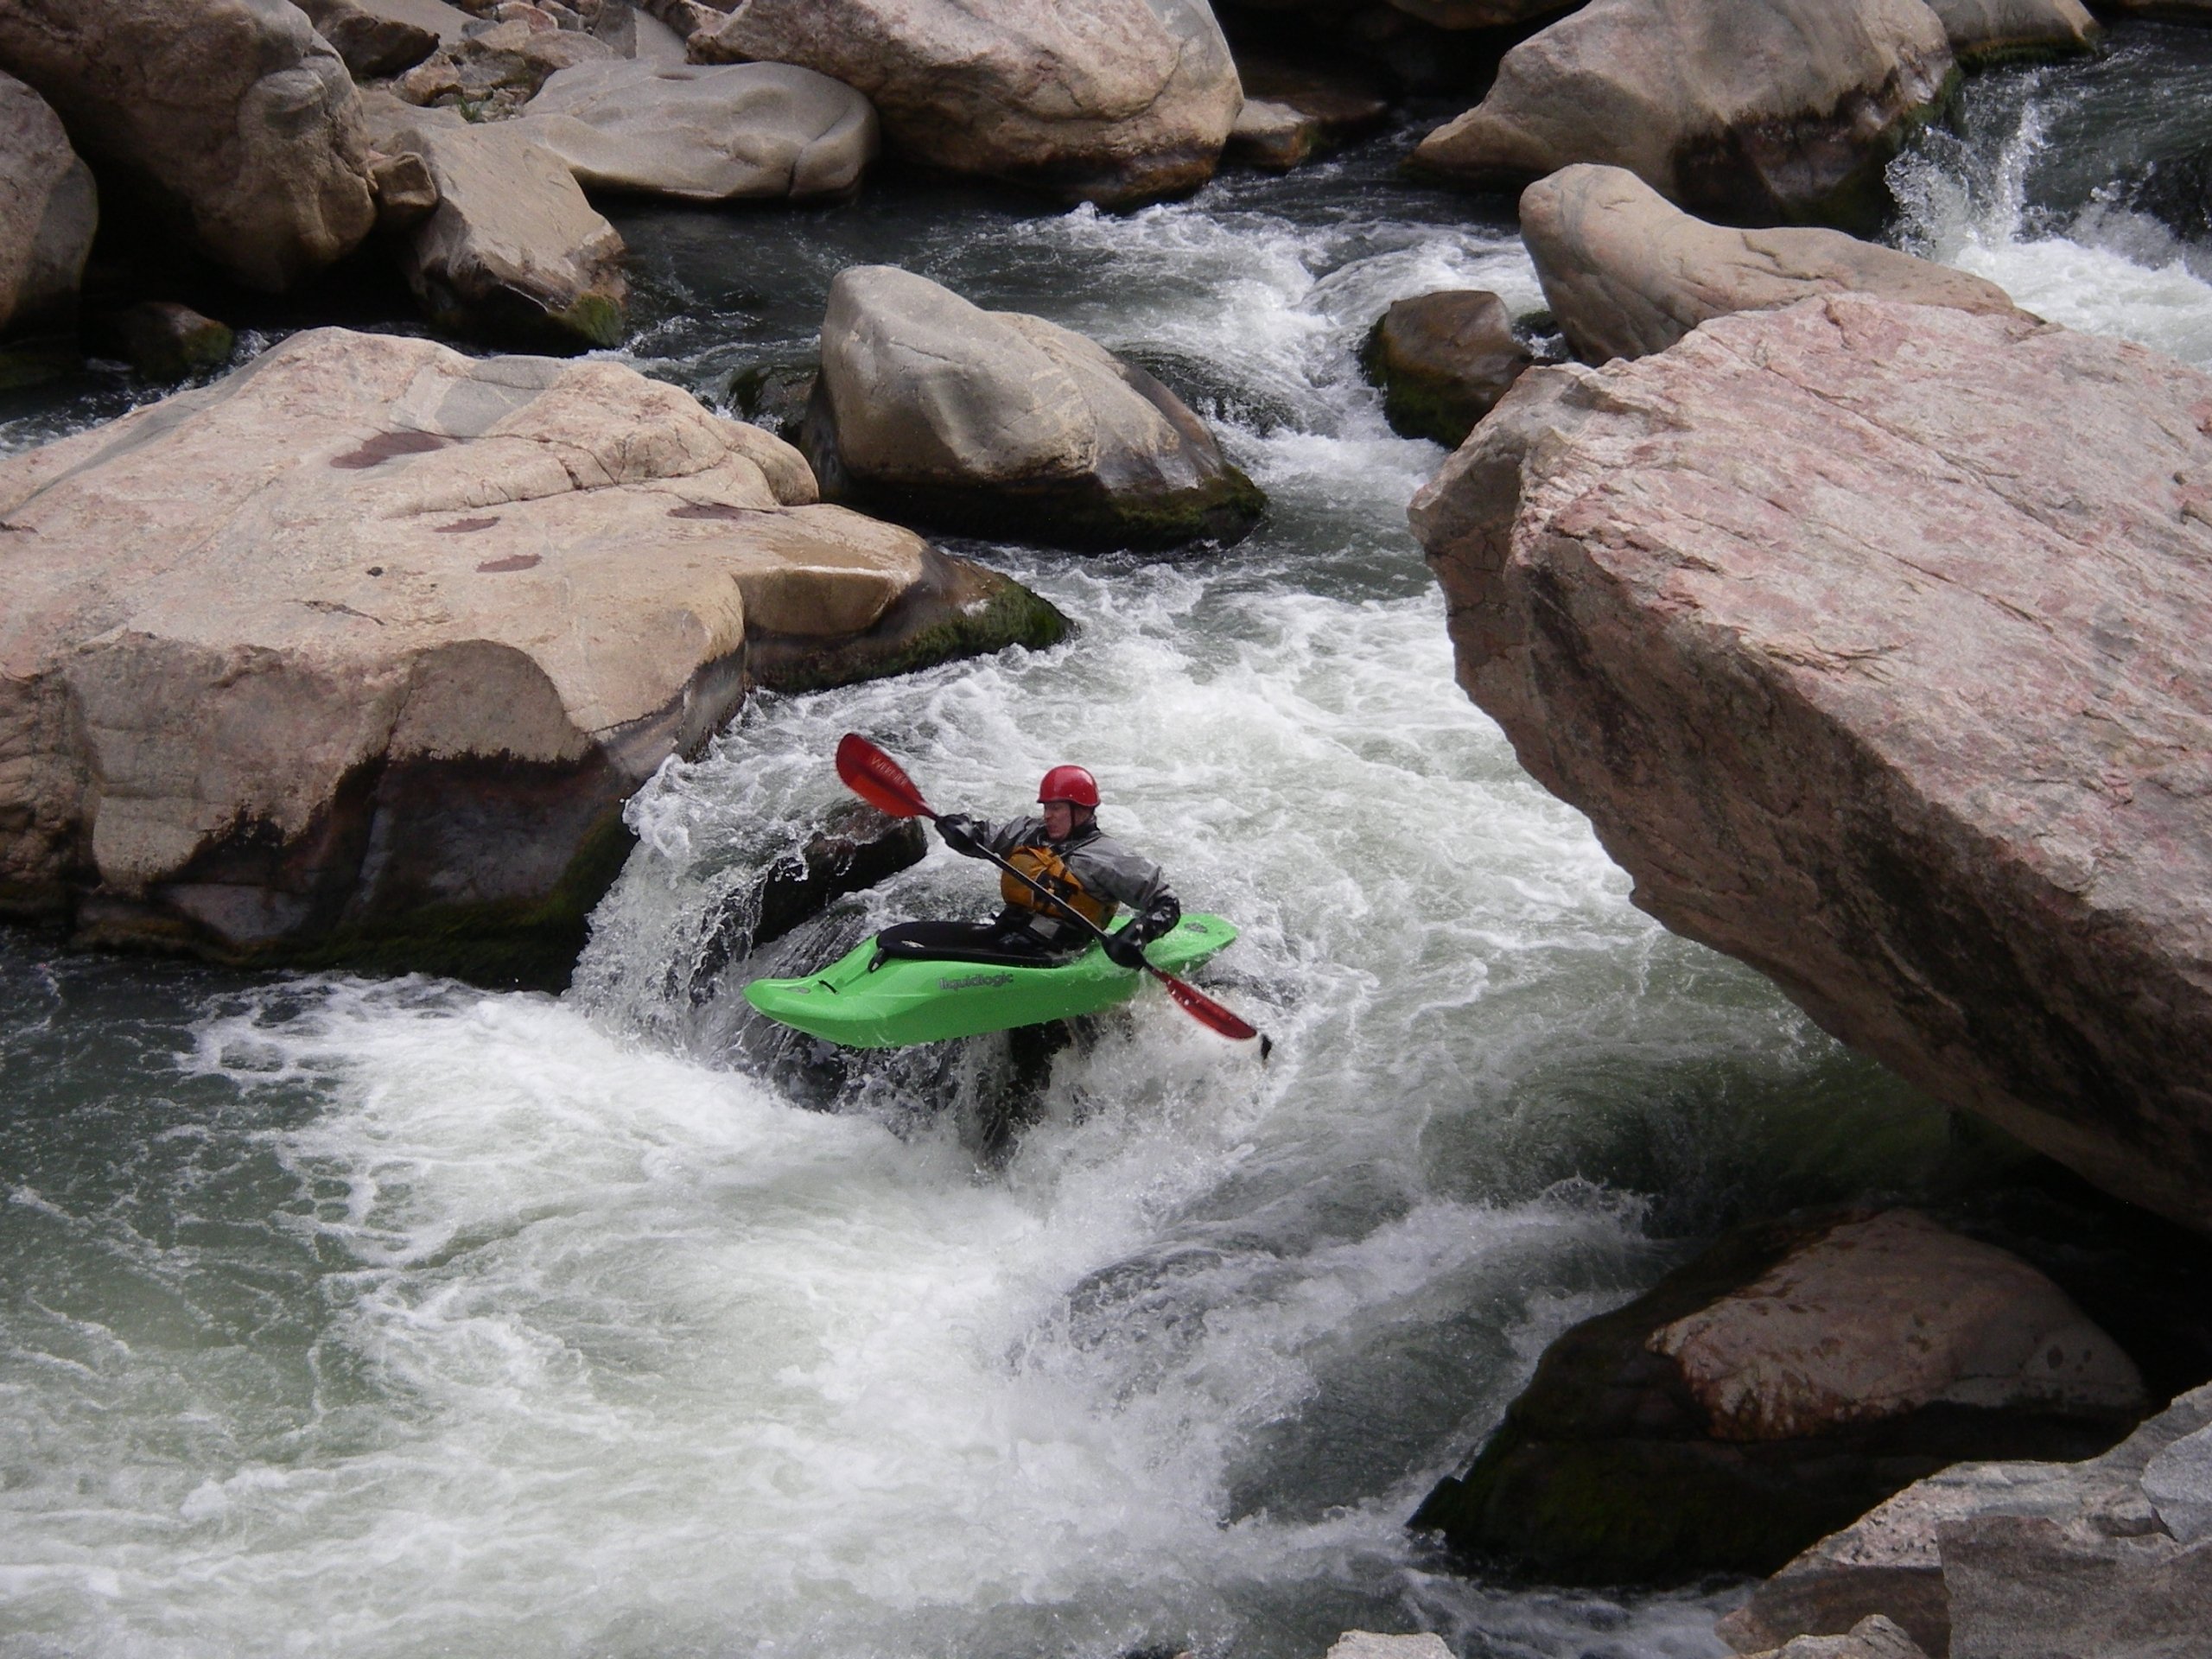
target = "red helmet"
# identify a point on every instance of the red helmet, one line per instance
(1069, 783)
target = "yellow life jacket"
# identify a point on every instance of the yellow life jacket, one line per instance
(1047, 867)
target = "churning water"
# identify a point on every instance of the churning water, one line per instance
(395, 1318)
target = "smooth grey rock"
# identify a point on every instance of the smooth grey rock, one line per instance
(1991, 31)
(1753, 111)
(930, 408)
(1876, 674)
(49, 209)
(512, 251)
(241, 119)
(705, 133)
(1627, 273)
(1118, 102)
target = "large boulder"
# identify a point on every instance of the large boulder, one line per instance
(1117, 102)
(1984, 32)
(1751, 112)
(933, 411)
(1628, 273)
(354, 655)
(1870, 637)
(512, 251)
(2097, 1560)
(1782, 1383)
(233, 115)
(48, 211)
(1443, 361)
(721, 133)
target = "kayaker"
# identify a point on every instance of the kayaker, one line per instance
(1063, 848)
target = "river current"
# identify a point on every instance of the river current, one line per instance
(391, 1317)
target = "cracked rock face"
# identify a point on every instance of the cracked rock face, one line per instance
(1871, 636)
(1117, 102)
(240, 118)
(355, 655)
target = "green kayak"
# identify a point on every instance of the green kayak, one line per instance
(903, 1001)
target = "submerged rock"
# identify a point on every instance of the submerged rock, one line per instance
(239, 118)
(1879, 675)
(1783, 1383)
(697, 133)
(1753, 111)
(2002, 1560)
(512, 252)
(48, 211)
(1443, 361)
(355, 655)
(1627, 273)
(932, 409)
(1118, 102)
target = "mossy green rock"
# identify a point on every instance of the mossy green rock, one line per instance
(1443, 361)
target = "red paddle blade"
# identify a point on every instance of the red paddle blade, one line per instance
(875, 777)
(1205, 1009)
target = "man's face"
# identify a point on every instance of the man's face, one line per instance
(1059, 819)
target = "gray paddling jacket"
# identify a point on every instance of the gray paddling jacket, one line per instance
(1108, 874)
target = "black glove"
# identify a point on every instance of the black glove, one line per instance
(959, 832)
(1125, 949)
(1160, 920)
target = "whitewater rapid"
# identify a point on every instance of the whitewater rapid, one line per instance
(378, 1319)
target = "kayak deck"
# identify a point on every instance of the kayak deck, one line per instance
(902, 1001)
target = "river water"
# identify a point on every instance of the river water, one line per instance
(391, 1317)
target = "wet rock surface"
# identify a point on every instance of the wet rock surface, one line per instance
(1117, 102)
(1751, 111)
(1789, 1377)
(1443, 361)
(1627, 273)
(234, 116)
(933, 411)
(1876, 676)
(354, 655)
(1995, 1561)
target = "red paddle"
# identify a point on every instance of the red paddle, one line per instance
(876, 778)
